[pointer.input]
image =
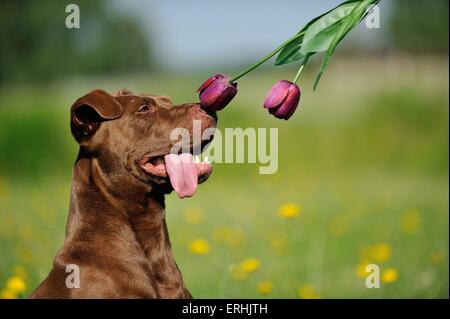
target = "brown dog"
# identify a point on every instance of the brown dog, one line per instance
(116, 231)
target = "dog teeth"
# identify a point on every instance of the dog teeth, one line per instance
(197, 159)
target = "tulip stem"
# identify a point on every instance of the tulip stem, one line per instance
(299, 72)
(267, 57)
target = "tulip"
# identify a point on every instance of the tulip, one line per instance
(282, 99)
(216, 92)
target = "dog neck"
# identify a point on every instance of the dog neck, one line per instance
(127, 233)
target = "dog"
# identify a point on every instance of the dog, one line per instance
(116, 233)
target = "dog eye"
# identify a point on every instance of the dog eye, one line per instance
(144, 109)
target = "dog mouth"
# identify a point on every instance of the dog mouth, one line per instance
(183, 170)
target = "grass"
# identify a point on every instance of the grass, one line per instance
(363, 168)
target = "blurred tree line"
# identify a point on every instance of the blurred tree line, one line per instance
(420, 25)
(37, 46)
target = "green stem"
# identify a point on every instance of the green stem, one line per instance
(267, 57)
(298, 73)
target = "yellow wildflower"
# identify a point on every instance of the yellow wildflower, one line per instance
(7, 294)
(381, 252)
(194, 215)
(199, 246)
(16, 284)
(250, 264)
(411, 221)
(389, 275)
(361, 270)
(289, 210)
(265, 287)
(308, 292)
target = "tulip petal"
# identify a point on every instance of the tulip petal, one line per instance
(277, 94)
(212, 92)
(292, 109)
(224, 98)
(209, 81)
(289, 105)
(217, 92)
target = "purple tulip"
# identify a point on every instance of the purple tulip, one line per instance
(282, 99)
(216, 92)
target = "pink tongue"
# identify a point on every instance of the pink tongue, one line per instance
(182, 172)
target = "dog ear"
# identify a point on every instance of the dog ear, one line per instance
(163, 101)
(87, 113)
(122, 92)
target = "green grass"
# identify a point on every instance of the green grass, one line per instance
(364, 157)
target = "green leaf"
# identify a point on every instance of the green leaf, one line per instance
(319, 43)
(298, 48)
(290, 50)
(320, 34)
(347, 24)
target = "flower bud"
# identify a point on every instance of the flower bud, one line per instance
(282, 99)
(216, 92)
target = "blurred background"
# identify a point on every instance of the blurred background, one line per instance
(363, 164)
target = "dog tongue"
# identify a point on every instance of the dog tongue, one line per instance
(182, 172)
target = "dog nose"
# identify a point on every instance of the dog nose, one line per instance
(198, 109)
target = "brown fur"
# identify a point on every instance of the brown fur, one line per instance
(116, 231)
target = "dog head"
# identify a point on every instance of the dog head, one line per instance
(131, 139)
